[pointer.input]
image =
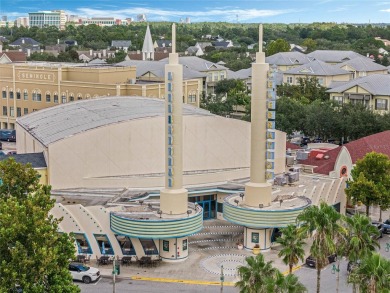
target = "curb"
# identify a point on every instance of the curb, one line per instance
(293, 269)
(166, 280)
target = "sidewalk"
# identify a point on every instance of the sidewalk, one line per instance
(202, 267)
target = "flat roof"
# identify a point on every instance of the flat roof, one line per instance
(56, 123)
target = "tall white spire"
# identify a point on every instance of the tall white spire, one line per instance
(148, 48)
(258, 190)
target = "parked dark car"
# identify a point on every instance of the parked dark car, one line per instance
(317, 140)
(311, 261)
(8, 135)
(386, 226)
(305, 141)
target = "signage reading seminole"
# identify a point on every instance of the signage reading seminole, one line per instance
(24, 75)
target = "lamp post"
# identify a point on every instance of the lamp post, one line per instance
(222, 278)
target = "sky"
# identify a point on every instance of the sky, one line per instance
(242, 11)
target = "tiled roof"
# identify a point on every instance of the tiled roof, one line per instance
(157, 68)
(15, 56)
(362, 64)
(287, 58)
(65, 120)
(37, 160)
(375, 84)
(240, 74)
(121, 43)
(333, 56)
(379, 142)
(292, 146)
(317, 68)
(197, 64)
(25, 42)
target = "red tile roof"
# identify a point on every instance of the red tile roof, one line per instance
(379, 142)
(15, 56)
(292, 146)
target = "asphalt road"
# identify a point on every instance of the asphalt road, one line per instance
(125, 285)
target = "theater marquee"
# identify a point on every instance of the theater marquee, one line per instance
(25, 75)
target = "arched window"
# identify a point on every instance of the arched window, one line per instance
(63, 98)
(36, 95)
(25, 95)
(79, 96)
(71, 97)
(48, 97)
(55, 97)
(18, 96)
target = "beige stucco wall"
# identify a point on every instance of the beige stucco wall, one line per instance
(131, 154)
(326, 79)
(343, 159)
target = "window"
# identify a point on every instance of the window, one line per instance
(11, 94)
(4, 94)
(215, 76)
(209, 76)
(25, 111)
(11, 111)
(170, 129)
(170, 182)
(18, 112)
(63, 99)
(4, 110)
(71, 98)
(321, 81)
(55, 98)
(192, 97)
(170, 172)
(25, 95)
(170, 140)
(165, 245)
(170, 161)
(222, 75)
(338, 99)
(18, 95)
(169, 108)
(185, 244)
(381, 104)
(289, 79)
(48, 98)
(362, 73)
(170, 120)
(39, 97)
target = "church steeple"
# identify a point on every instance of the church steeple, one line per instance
(148, 48)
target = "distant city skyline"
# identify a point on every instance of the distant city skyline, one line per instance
(244, 11)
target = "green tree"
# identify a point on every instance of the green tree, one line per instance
(33, 253)
(310, 44)
(371, 181)
(253, 276)
(277, 46)
(284, 284)
(292, 246)
(325, 221)
(360, 239)
(372, 275)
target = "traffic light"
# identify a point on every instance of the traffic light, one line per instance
(117, 269)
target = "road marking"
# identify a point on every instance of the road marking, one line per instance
(192, 282)
(293, 269)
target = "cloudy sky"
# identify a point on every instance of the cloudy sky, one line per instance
(266, 11)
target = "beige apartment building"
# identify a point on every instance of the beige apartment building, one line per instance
(29, 87)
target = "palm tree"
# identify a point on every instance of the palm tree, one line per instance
(323, 222)
(373, 274)
(292, 246)
(361, 237)
(253, 275)
(284, 284)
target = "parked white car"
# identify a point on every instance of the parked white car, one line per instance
(83, 273)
